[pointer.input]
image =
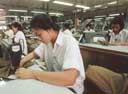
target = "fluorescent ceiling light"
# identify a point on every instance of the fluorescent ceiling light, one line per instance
(98, 19)
(112, 3)
(8, 16)
(104, 7)
(97, 6)
(2, 22)
(45, 0)
(63, 3)
(114, 14)
(110, 17)
(57, 14)
(27, 16)
(100, 16)
(38, 12)
(1, 9)
(15, 10)
(81, 6)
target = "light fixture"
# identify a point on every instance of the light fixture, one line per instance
(63, 3)
(98, 19)
(97, 6)
(112, 3)
(1, 9)
(101, 16)
(16, 10)
(27, 16)
(81, 6)
(114, 14)
(9, 16)
(55, 13)
(45, 0)
(104, 7)
(109, 17)
(2, 22)
(38, 12)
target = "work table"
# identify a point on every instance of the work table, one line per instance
(112, 57)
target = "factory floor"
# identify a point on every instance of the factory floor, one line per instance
(4, 67)
(3, 61)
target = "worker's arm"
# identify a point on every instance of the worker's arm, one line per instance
(27, 58)
(64, 78)
(119, 44)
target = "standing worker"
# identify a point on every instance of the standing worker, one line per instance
(19, 36)
(67, 29)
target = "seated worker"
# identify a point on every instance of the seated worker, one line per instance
(88, 28)
(107, 80)
(61, 54)
(67, 29)
(118, 35)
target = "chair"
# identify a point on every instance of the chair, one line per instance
(91, 88)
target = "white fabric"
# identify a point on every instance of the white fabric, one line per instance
(19, 37)
(91, 30)
(122, 37)
(66, 55)
(9, 33)
(97, 39)
(68, 32)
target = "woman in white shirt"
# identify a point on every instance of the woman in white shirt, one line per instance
(88, 28)
(67, 29)
(19, 36)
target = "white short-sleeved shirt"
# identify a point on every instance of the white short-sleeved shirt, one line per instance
(64, 55)
(9, 33)
(119, 38)
(91, 30)
(20, 38)
(68, 32)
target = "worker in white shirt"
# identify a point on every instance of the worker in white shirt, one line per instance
(118, 35)
(67, 29)
(61, 54)
(107, 80)
(19, 36)
(88, 28)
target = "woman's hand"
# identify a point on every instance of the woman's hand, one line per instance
(23, 73)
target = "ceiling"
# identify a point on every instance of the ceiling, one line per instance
(43, 6)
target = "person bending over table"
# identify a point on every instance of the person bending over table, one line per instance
(61, 54)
